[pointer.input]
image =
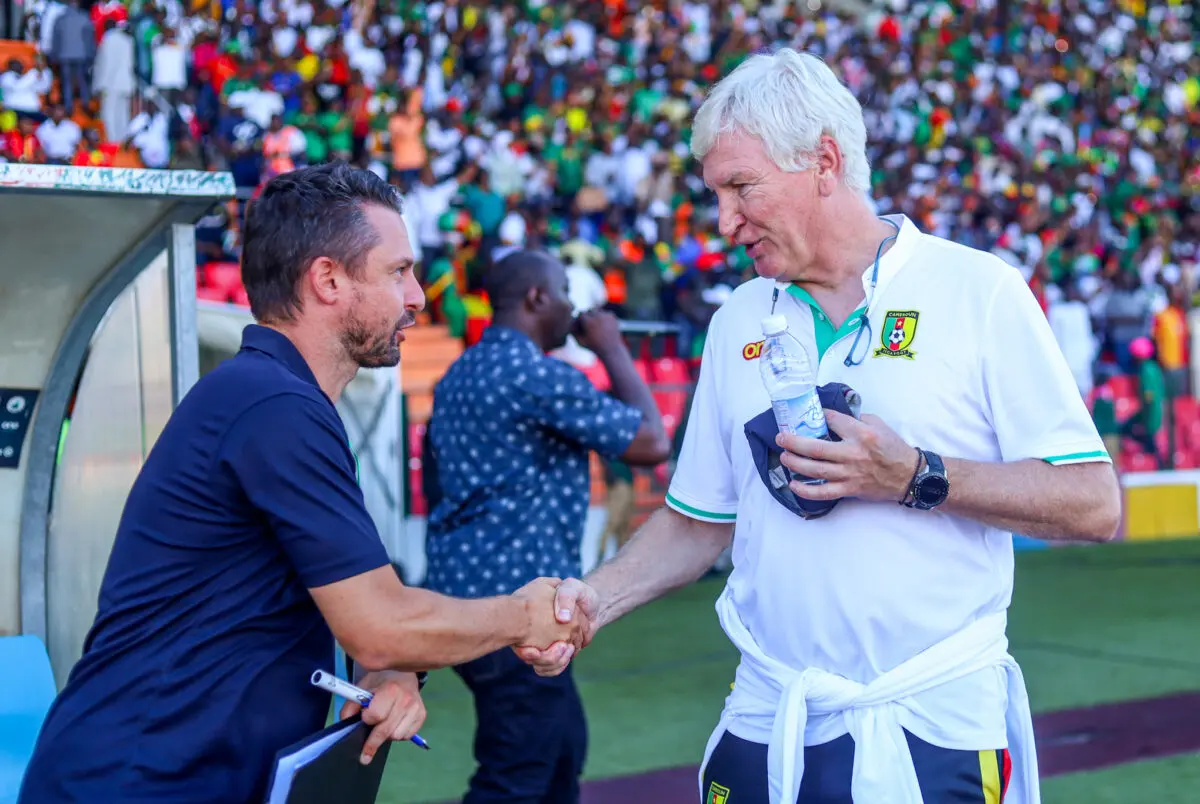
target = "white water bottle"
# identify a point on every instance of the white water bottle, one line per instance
(791, 381)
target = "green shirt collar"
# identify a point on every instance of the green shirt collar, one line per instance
(823, 329)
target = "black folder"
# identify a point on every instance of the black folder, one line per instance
(311, 773)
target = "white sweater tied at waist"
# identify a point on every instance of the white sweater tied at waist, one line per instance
(783, 697)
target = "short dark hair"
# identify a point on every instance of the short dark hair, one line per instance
(300, 216)
(508, 281)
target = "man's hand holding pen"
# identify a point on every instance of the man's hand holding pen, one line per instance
(396, 711)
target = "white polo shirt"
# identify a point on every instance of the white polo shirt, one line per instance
(960, 361)
(59, 140)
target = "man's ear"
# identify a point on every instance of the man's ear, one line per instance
(829, 165)
(535, 297)
(324, 280)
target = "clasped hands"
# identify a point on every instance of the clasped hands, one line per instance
(562, 621)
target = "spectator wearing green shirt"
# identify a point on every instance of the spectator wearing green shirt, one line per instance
(1144, 425)
(486, 206)
(488, 209)
(339, 129)
(244, 81)
(316, 137)
(1104, 416)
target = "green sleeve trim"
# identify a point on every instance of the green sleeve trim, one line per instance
(1094, 455)
(684, 508)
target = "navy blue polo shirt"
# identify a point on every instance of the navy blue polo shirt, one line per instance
(196, 669)
(511, 432)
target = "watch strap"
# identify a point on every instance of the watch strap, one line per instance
(933, 464)
(908, 498)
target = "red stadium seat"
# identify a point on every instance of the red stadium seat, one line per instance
(211, 294)
(674, 373)
(226, 276)
(1183, 437)
(672, 370)
(1123, 385)
(1185, 459)
(414, 466)
(240, 297)
(1137, 462)
(1187, 410)
(597, 375)
(416, 496)
(670, 405)
(644, 369)
(416, 440)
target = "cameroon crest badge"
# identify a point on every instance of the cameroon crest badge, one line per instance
(899, 329)
(717, 794)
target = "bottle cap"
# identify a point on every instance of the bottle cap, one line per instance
(774, 324)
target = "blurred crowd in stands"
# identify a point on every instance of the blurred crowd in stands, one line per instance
(1061, 135)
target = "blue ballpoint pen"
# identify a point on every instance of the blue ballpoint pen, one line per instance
(331, 683)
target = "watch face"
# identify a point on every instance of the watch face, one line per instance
(933, 490)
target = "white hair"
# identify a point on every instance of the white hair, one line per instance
(788, 100)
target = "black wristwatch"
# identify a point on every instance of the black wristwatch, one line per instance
(930, 486)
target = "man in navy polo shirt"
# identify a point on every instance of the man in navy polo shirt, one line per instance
(245, 542)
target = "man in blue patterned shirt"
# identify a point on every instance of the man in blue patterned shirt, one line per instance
(511, 433)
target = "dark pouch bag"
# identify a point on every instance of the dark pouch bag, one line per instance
(761, 432)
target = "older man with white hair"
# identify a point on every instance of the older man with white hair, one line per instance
(874, 662)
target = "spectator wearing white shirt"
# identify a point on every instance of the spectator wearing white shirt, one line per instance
(23, 89)
(431, 200)
(508, 169)
(113, 79)
(512, 233)
(284, 39)
(258, 104)
(365, 57)
(169, 59)
(49, 14)
(149, 134)
(585, 289)
(59, 137)
(602, 170)
(1071, 322)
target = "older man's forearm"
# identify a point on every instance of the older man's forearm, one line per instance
(668, 552)
(1079, 502)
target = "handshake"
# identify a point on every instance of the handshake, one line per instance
(563, 618)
